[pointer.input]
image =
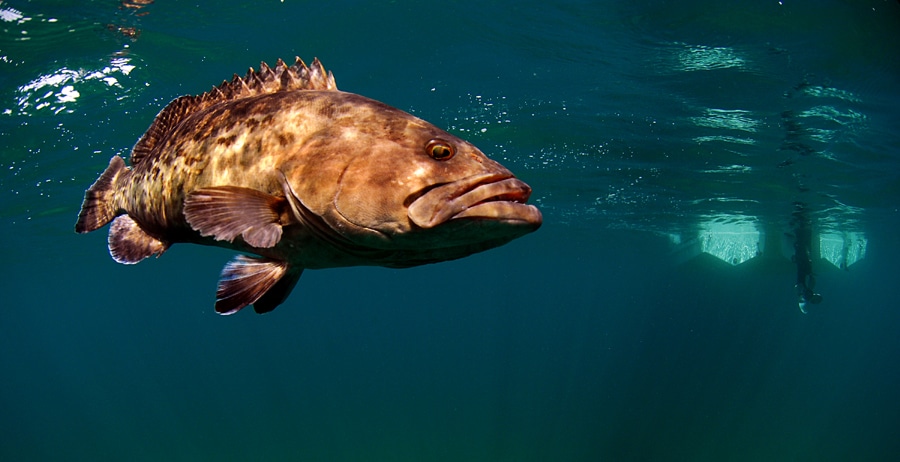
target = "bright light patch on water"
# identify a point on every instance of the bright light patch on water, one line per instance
(732, 239)
(68, 94)
(11, 15)
(706, 58)
(56, 90)
(730, 119)
(730, 169)
(726, 119)
(829, 124)
(843, 249)
(833, 114)
(726, 139)
(829, 92)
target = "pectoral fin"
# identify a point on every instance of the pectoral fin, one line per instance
(226, 212)
(262, 282)
(129, 244)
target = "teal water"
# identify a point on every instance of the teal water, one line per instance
(646, 129)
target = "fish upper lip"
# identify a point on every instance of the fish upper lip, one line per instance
(499, 196)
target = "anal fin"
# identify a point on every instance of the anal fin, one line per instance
(129, 244)
(226, 212)
(279, 292)
(260, 281)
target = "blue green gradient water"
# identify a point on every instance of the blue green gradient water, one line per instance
(592, 339)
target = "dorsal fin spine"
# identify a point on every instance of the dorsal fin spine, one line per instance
(280, 66)
(299, 76)
(285, 78)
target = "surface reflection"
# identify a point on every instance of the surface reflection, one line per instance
(55, 91)
(705, 58)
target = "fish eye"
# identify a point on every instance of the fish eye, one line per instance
(439, 149)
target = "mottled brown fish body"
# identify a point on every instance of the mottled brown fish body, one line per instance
(283, 165)
(242, 143)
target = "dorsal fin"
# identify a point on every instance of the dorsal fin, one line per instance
(266, 80)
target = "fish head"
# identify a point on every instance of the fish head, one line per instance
(388, 180)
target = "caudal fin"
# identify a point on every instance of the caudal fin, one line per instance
(98, 207)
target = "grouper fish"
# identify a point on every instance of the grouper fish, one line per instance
(283, 167)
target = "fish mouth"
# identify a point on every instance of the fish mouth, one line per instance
(490, 196)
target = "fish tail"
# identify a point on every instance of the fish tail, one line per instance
(99, 207)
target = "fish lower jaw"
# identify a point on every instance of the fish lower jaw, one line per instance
(512, 212)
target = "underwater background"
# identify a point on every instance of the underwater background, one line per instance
(674, 148)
